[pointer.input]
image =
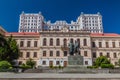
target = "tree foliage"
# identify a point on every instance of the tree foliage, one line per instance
(9, 50)
(5, 65)
(103, 62)
(30, 62)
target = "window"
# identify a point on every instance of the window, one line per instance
(21, 54)
(116, 63)
(86, 62)
(85, 53)
(101, 54)
(57, 62)
(28, 43)
(44, 42)
(21, 43)
(94, 54)
(65, 53)
(51, 42)
(44, 62)
(113, 44)
(65, 42)
(35, 43)
(107, 45)
(35, 54)
(27, 54)
(114, 55)
(108, 55)
(119, 44)
(93, 44)
(51, 53)
(78, 40)
(58, 42)
(85, 42)
(20, 62)
(44, 53)
(100, 44)
(57, 53)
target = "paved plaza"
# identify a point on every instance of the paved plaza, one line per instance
(57, 75)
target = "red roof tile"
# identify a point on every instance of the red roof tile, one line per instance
(22, 33)
(104, 34)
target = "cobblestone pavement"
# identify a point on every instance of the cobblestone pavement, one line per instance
(53, 75)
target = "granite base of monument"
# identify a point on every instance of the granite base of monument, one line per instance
(75, 64)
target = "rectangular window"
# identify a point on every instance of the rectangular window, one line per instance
(113, 44)
(108, 55)
(21, 44)
(94, 54)
(86, 62)
(21, 54)
(114, 55)
(35, 43)
(85, 53)
(44, 63)
(27, 54)
(44, 53)
(100, 44)
(101, 54)
(28, 43)
(57, 62)
(107, 45)
(57, 53)
(65, 53)
(85, 42)
(93, 44)
(51, 53)
(20, 62)
(35, 54)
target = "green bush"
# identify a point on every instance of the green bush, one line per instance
(5, 65)
(107, 66)
(51, 66)
(24, 66)
(92, 67)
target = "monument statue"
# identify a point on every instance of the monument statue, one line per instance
(73, 48)
(76, 47)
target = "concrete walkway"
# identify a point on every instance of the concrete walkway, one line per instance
(53, 75)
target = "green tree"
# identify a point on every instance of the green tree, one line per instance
(103, 62)
(30, 62)
(119, 62)
(3, 48)
(13, 49)
(9, 50)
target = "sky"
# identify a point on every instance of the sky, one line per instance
(60, 10)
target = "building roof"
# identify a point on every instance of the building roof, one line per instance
(22, 33)
(104, 35)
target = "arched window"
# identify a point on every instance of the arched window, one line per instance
(71, 40)
(78, 40)
(51, 42)
(65, 42)
(57, 42)
(85, 42)
(44, 42)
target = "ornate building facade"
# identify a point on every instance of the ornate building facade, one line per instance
(51, 47)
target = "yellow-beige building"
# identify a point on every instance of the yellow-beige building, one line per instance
(51, 47)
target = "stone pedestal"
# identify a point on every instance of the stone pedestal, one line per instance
(75, 60)
(75, 64)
